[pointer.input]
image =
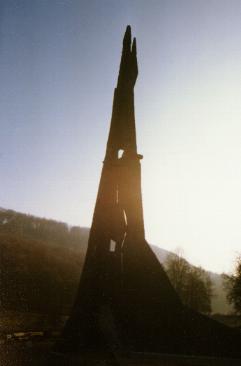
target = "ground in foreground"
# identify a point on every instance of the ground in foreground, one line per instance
(38, 353)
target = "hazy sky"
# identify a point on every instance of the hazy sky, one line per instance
(59, 61)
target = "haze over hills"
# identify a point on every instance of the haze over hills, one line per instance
(218, 302)
(41, 262)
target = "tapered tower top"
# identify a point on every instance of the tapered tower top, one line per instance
(128, 66)
(122, 134)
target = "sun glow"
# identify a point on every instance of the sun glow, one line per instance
(192, 173)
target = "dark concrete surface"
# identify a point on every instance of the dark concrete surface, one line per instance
(39, 353)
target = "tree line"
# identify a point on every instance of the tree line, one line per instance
(232, 284)
(32, 227)
(193, 284)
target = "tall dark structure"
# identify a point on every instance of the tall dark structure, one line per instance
(125, 300)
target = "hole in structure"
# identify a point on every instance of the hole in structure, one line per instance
(120, 153)
(112, 245)
(125, 217)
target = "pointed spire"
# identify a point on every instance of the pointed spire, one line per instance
(127, 39)
(128, 66)
(133, 49)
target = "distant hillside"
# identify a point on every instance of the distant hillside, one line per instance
(41, 262)
(219, 301)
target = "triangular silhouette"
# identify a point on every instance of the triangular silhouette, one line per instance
(125, 300)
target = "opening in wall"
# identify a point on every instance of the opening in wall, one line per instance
(120, 153)
(112, 246)
(125, 217)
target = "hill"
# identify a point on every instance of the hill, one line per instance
(219, 302)
(41, 263)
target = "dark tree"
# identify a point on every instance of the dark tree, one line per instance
(232, 284)
(193, 284)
